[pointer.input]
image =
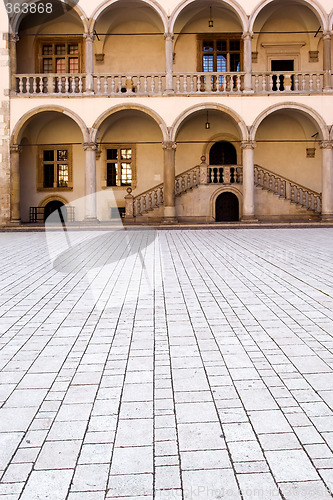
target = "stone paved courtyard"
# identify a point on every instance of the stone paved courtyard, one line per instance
(185, 364)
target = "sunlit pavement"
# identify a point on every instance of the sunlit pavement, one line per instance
(184, 364)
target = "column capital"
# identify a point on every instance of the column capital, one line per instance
(168, 36)
(14, 37)
(327, 35)
(248, 144)
(90, 146)
(90, 37)
(326, 144)
(169, 145)
(247, 35)
(15, 148)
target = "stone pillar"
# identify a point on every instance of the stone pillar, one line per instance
(169, 62)
(247, 38)
(248, 180)
(15, 215)
(327, 180)
(169, 181)
(203, 170)
(327, 60)
(89, 69)
(129, 206)
(13, 39)
(90, 176)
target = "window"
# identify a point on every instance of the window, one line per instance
(59, 56)
(220, 53)
(119, 165)
(54, 167)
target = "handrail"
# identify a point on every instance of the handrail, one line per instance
(288, 180)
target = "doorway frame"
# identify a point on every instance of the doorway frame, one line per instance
(221, 190)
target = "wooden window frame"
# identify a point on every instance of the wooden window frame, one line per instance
(41, 162)
(216, 37)
(40, 42)
(118, 147)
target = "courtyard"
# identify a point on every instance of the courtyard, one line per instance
(167, 364)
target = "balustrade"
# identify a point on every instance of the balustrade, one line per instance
(224, 174)
(183, 83)
(41, 84)
(297, 81)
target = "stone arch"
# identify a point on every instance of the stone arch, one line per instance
(221, 137)
(231, 3)
(42, 109)
(17, 18)
(307, 111)
(225, 189)
(52, 197)
(103, 6)
(312, 4)
(130, 107)
(207, 106)
(330, 21)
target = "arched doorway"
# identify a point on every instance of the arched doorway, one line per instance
(54, 206)
(223, 153)
(227, 207)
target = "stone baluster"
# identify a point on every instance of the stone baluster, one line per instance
(169, 148)
(327, 180)
(15, 216)
(90, 149)
(248, 180)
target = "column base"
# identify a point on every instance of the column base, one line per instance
(15, 222)
(327, 217)
(169, 215)
(249, 218)
(91, 220)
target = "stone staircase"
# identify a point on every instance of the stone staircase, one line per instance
(288, 190)
(279, 186)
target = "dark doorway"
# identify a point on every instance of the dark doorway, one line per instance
(223, 153)
(283, 66)
(52, 206)
(227, 207)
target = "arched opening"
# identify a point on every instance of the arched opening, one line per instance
(223, 153)
(55, 206)
(227, 207)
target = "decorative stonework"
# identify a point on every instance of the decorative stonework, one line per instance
(313, 55)
(169, 145)
(326, 145)
(248, 144)
(90, 146)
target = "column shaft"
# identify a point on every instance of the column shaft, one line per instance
(327, 60)
(247, 37)
(15, 215)
(248, 180)
(89, 69)
(169, 61)
(327, 180)
(90, 177)
(169, 181)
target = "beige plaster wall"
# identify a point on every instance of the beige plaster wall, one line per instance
(288, 157)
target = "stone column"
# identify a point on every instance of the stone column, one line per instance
(327, 180)
(90, 175)
(169, 62)
(13, 39)
(247, 37)
(15, 215)
(169, 181)
(327, 60)
(89, 69)
(248, 180)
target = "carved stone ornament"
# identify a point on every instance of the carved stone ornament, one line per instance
(169, 145)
